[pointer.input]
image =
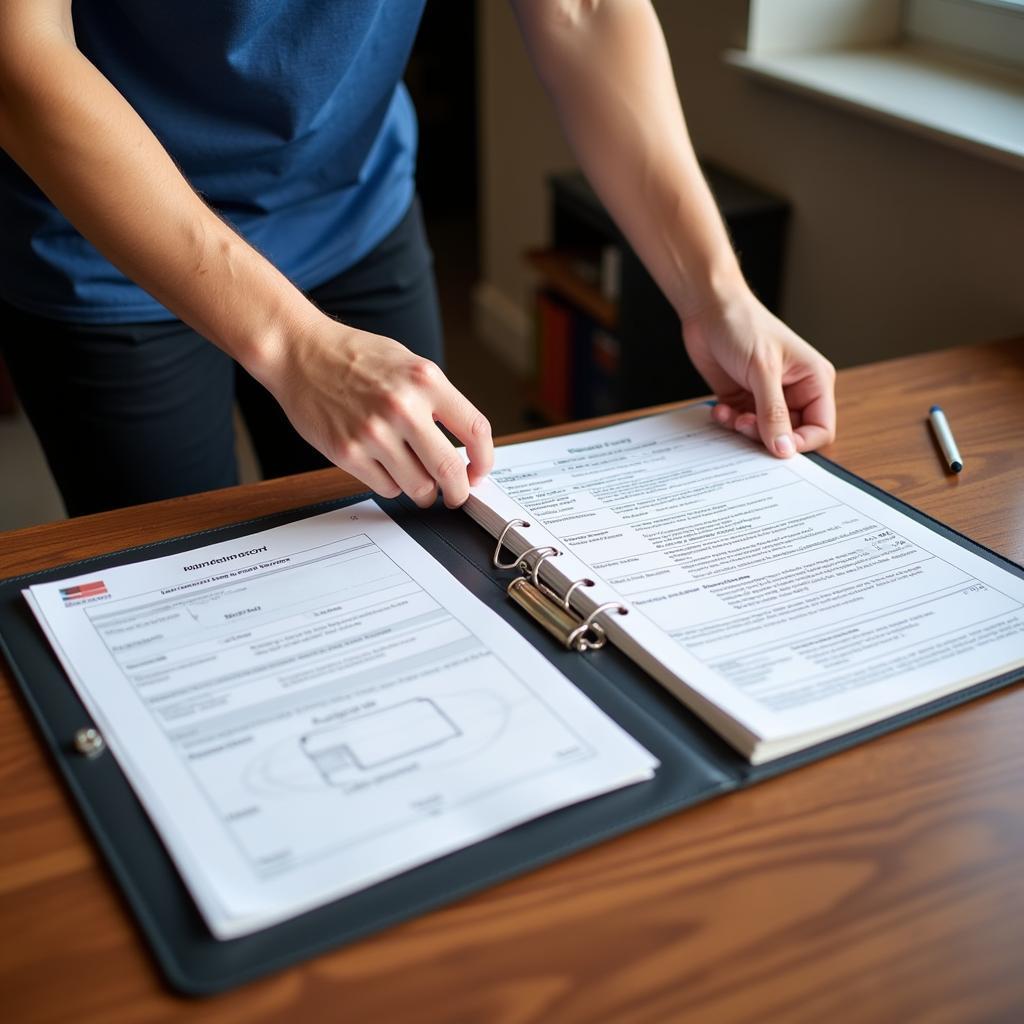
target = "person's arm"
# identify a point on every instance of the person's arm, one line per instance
(365, 401)
(607, 69)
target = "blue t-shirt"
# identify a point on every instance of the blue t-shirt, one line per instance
(288, 116)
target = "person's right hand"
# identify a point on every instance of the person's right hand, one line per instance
(372, 407)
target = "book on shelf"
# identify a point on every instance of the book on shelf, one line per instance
(578, 362)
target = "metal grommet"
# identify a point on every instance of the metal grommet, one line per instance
(88, 742)
(496, 557)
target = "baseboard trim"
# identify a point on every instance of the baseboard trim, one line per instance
(504, 328)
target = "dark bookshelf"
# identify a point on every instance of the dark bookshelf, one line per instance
(652, 363)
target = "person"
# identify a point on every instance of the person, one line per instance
(202, 200)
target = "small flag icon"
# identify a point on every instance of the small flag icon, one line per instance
(76, 593)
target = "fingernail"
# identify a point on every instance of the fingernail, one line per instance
(784, 446)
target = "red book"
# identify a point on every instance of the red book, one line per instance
(554, 359)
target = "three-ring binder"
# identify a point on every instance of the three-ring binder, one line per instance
(551, 610)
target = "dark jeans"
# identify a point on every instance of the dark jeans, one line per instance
(129, 413)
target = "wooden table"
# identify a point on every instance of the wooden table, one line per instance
(883, 884)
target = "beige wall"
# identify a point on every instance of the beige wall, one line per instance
(897, 244)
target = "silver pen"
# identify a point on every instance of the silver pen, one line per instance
(945, 438)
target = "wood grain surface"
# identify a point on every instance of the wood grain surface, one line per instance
(883, 884)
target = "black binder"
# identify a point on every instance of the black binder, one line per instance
(696, 764)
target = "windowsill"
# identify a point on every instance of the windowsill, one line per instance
(943, 97)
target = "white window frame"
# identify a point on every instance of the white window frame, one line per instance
(862, 56)
(988, 29)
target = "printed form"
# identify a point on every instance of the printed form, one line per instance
(311, 709)
(778, 591)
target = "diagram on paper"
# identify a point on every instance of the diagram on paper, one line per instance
(378, 738)
(419, 732)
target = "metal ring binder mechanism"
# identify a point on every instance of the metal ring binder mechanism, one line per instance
(549, 609)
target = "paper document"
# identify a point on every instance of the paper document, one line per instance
(310, 709)
(776, 591)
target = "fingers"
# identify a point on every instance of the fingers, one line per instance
(724, 415)
(470, 426)
(370, 405)
(727, 416)
(818, 421)
(399, 461)
(808, 436)
(746, 424)
(394, 444)
(409, 474)
(382, 460)
(773, 423)
(811, 413)
(444, 463)
(439, 458)
(411, 449)
(374, 475)
(811, 436)
(755, 362)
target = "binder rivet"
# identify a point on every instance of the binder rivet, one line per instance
(89, 742)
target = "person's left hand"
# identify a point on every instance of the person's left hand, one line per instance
(769, 382)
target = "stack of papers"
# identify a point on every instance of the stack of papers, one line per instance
(311, 709)
(779, 601)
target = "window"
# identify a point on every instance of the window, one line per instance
(950, 70)
(993, 29)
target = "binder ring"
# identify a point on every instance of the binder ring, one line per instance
(547, 553)
(578, 637)
(496, 558)
(585, 582)
(523, 561)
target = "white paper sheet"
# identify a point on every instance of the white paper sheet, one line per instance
(775, 590)
(313, 708)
